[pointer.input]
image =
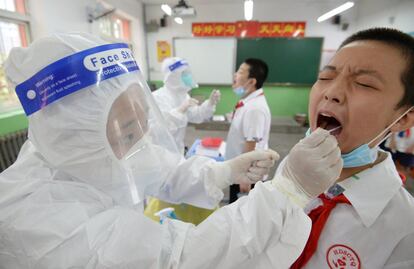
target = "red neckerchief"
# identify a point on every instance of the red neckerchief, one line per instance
(319, 216)
(240, 104)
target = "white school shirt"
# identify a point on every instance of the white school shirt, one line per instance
(377, 231)
(251, 122)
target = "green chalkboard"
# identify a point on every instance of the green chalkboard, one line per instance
(290, 60)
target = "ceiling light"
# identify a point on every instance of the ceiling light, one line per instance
(336, 11)
(167, 9)
(178, 20)
(248, 10)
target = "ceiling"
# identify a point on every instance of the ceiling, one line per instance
(189, 2)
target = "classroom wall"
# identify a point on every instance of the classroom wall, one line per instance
(396, 14)
(283, 101)
(231, 11)
(56, 16)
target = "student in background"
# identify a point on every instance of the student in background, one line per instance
(366, 219)
(401, 146)
(250, 126)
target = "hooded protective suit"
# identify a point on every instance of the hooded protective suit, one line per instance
(96, 147)
(176, 104)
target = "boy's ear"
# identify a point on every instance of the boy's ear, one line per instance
(406, 122)
(254, 82)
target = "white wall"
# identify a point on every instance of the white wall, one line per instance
(386, 13)
(54, 16)
(273, 10)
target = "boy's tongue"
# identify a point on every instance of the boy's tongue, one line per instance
(329, 124)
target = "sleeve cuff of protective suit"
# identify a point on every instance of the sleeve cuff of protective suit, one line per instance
(293, 192)
(209, 108)
(179, 118)
(220, 178)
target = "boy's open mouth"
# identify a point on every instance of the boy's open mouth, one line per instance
(329, 122)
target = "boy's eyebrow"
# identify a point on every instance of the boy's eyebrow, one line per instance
(369, 72)
(358, 72)
(329, 68)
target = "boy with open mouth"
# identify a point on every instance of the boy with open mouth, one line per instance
(363, 95)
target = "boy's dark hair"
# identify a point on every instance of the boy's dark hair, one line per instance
(257, 70)
(399, 40)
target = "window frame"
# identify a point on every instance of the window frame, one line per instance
(17, 18)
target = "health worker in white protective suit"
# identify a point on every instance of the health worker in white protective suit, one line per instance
(176, 104)
(97, 145)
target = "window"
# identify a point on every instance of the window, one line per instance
(14, 32)
(13, 6)
(115, 27)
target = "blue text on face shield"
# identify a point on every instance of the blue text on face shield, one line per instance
(177, 65)
(111, 58)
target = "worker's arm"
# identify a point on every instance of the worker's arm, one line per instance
(203, 112)
(249, 146)
(174, 119)
(261, 230)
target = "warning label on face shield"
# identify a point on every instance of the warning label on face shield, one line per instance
(74, 73)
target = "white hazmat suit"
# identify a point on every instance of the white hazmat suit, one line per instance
(73, 198)
(176, 104)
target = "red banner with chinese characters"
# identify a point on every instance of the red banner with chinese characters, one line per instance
(281, 29)
(250, 29)
(214, 29)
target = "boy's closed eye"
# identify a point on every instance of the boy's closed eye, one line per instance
(326, 76)
(364, 85)
(367, 82)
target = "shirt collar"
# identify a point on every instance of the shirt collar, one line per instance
(371, 190)
(252, 95)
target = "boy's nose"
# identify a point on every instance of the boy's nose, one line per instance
(335, 94)
(333, 99)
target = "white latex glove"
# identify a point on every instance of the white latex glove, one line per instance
(214, 97)
(246, 168)
(187, 104)
(311, 167)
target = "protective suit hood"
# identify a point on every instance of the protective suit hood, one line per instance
(177, 74)
(72, 133)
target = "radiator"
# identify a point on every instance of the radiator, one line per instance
(9, 148)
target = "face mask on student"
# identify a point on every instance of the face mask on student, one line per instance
(364, 155)
(239, 91)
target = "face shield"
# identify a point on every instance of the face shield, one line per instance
(178, 75)
(139, 142)
(92, 115)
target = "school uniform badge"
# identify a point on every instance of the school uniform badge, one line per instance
(342, 257)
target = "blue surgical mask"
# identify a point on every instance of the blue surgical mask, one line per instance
(187, 79)
(364, 155)
(239, 91)
(360, 156)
